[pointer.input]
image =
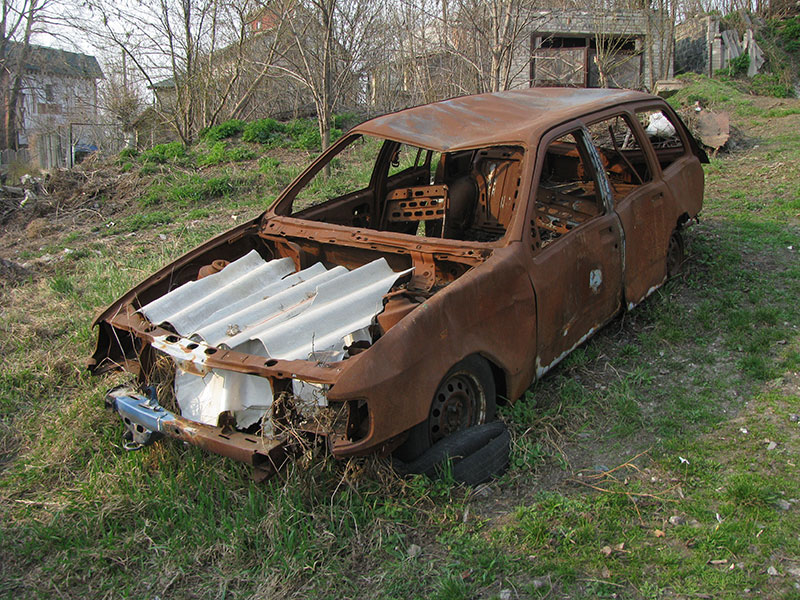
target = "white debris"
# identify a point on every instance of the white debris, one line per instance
(659, 126)
(267, 309)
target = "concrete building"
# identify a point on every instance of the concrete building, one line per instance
(628, 49)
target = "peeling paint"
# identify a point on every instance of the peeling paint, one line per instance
(541, 370)
(595, 279)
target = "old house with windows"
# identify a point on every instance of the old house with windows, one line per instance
(59, 88)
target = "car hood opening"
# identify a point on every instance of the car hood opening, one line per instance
(264, 308)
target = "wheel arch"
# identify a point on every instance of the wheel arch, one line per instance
(501, 379)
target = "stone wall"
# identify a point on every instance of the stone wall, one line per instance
(694, 40)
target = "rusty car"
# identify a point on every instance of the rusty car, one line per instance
(430, 264)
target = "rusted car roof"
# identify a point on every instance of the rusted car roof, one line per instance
(514, 116)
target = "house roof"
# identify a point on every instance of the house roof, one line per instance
(52, 61)
(514, 116)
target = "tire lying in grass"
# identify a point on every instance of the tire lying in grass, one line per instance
(477, 454)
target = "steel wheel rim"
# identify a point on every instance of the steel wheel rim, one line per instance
(460, 402)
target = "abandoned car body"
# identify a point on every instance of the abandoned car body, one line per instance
(383, 309)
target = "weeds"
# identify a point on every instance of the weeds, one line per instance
(702, 373)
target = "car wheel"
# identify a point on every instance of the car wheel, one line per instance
(465, 398)
(675, 254)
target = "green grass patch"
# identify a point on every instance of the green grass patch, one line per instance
(696, 383)
(172, 152)
(223, 131)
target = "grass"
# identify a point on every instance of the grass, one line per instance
(640, 466)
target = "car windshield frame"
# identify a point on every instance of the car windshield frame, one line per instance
(281, 209)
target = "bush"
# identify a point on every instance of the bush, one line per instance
(736, 67)
(263, 131)
(304, 134)
(129, 153)
(163, 153)
(345, 121)
(239, 154)
(223, 131)
(219, 153)
(215, 155)
(769, 84)
(148, 169)
(789, 34)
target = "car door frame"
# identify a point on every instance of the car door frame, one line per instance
(580, 251)
(644, 214)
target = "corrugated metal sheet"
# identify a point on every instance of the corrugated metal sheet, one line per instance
(267, 309)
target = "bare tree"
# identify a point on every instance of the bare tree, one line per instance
(488, 35)
(19, 22)
(119, 96)
(194, 55)
(329, 51)
(615, 45)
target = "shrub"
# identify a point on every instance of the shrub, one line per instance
(223, 130)
(215, 155)
(163, 153)
(345, 121)
(129, 153)
(187, 190)
(304, 134)
(239, 154)
(789, 33)
(263, 131)
(148, 169)
(219, 152)
(736, 67)
(769, 84)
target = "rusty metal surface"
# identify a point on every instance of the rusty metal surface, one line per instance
(556, 260)
(714, 129)
(493, 119)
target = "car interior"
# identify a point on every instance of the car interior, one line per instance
(466, 195)
(566, 196)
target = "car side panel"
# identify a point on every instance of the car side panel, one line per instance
(489, 311)
(652, 213)
(578, 283)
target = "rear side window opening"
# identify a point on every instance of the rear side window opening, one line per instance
(663, 134)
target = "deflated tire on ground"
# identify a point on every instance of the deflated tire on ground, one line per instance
(477, 454)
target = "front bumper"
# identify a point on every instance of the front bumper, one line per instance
(146, 421)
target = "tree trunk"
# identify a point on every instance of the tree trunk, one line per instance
(11, 113)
